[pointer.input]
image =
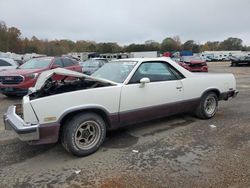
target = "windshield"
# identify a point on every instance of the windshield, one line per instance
(36, 63)
(115, 71)
(90, 63)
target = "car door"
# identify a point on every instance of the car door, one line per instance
(160, 97)
(57, 63)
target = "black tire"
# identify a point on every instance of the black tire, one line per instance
(203, 111)
(81, 129)
(234, 64)
(12, 95)
(8, 95)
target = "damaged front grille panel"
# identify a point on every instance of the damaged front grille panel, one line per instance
(19, 109)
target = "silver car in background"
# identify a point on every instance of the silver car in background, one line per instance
(7, 63)
(91, 65)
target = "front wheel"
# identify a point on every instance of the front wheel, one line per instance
(208, 106)
(83, 134)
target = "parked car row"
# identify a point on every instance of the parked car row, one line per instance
(16, 79)
(238, 61)
(92, 65)
(210, 58)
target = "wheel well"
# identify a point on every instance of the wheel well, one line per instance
(216, 91)
(71, 114)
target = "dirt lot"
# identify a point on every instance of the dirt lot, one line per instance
(181, 151)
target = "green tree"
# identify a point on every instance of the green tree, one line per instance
(169, 45)
(231, 44)
(178, 42)
(84, 46)
(3, 36)
(190, 45)
(14, 43)
(151, 45)
(211, 46)
(135, 48)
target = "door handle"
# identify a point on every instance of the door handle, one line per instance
(178, 87)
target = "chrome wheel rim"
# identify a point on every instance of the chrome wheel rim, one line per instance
(210, 105)
(87, 134)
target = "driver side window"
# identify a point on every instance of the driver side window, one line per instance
(155, 71)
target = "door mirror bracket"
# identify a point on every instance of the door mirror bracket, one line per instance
(144, 81)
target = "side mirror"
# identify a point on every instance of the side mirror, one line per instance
(55, 66)
(143, 81)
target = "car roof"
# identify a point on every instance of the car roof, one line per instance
(98, 58)
(9, 60)
(143, 59)
(6, 58)
(44, 57)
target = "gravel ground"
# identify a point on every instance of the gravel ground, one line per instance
(180, 151)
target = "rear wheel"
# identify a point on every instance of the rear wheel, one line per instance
(83, 134)
(208, 106)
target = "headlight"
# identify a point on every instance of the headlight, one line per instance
(32, 76)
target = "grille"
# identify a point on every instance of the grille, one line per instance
(11, 79)
(195, 65)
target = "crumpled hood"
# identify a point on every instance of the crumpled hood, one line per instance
(17, 72)
(44, 76)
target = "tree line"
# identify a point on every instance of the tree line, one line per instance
(11, 40)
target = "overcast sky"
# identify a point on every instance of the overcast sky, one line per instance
(129, 21)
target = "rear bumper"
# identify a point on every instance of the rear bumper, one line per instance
(228, 94)
(35, 134)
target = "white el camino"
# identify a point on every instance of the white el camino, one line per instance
(81, 109)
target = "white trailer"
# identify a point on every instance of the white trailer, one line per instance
(149, 54)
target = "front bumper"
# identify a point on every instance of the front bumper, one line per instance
(199, 69)
(17, 89)
(36, 134)
(25, 132)
(13, 91)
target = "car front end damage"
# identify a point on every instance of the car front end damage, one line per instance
(25, 131)
(24, 120)
(34, 133)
